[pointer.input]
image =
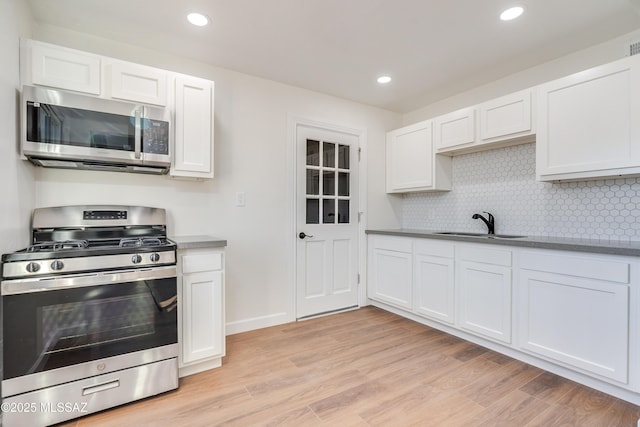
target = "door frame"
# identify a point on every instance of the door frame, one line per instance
(295, 122)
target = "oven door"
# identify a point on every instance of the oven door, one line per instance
(52, 325)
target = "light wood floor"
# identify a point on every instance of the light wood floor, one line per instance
(368, 368)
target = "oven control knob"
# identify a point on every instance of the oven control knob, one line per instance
(136, 259)
(33, 267)
(57, 265)
(154, 257)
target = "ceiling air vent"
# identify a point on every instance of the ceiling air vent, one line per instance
(633, 48)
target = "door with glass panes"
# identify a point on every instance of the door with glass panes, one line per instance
(327, 221)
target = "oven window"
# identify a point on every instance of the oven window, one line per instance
(53, 329)
(75, 325)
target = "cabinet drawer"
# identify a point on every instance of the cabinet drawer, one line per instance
(398, 244)
(485, 255)
(434, 248)
(587, 267)
(194, 263)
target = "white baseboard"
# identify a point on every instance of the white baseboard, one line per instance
(258, 323)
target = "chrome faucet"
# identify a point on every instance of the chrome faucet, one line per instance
(490, 222)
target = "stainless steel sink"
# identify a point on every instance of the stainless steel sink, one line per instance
(461, 233)
(482, 235)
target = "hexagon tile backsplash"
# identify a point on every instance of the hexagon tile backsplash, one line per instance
(502, 181)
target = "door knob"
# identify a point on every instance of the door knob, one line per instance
(302, 235)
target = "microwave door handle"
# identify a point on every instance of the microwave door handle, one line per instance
(138, 134)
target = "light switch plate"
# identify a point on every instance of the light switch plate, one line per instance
(240, 199)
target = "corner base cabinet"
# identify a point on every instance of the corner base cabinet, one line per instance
(201, 321)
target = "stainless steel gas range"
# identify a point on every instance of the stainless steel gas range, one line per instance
(89, 313)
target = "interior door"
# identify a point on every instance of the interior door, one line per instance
(327, 221)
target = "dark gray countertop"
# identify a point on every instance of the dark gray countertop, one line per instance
(558, 243)
(195, 242)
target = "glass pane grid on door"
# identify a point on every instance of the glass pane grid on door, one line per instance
(328, 179)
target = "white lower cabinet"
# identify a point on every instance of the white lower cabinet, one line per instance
(576, 314)
(483, 282)
(201, 319)
(575, 310)
(433, 280)
(390, 270)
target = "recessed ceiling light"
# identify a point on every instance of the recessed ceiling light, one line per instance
(198, 19)
(384, 79)
(511, 13)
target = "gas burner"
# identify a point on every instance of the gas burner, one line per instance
(139, 241)
(58, 246)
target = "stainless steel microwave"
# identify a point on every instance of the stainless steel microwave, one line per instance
(67, 130)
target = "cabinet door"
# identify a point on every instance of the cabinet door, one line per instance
(193, 153)
(576, 310)
(455, 129)
(65, 68)
(484, 299)
(202, 316)
(588, 123)
(506, 117)
(434, 287)
(410, 158)
(390, 277)
(137, 83)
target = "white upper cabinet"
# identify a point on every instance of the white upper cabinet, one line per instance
(506, 117)
(503, 121)
(137, 83)
(188, 100)
(411, 163)
(588, 123)
(455, 129)
(193, 151)
(59, 67)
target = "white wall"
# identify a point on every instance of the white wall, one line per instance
(577, 61)
(16, 178)
(251, 129)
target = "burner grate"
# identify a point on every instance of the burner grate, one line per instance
(139, 241)
(58, 246)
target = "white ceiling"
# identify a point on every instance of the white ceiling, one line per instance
(432, 48)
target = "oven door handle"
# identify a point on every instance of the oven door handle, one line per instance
(51, 283)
